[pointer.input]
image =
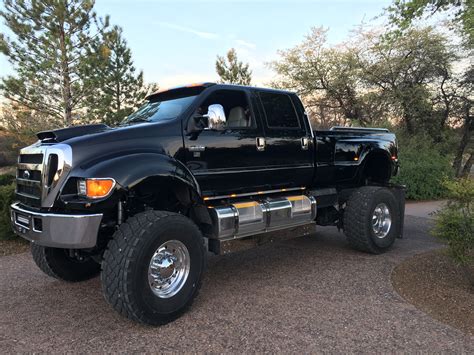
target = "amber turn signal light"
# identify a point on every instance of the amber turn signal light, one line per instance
(98, 188)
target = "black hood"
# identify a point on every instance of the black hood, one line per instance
(60, 135)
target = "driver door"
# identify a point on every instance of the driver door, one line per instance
(225, 160)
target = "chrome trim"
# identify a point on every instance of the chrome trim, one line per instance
(310, 126)
(256, 193)
(264, 169)
(381, 220)
(368, 129)
(58, 230)
(169, 268)
(49, 193)
(28, 182)
(304, 143)
(216, 117)
(197, 148)
(249, 217)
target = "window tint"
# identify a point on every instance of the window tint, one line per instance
(279, 110)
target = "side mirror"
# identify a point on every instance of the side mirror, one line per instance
(215, 117)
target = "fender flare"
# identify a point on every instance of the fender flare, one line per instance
(131, 169)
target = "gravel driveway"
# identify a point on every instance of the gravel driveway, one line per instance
(312, 294)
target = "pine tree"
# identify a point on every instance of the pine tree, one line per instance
(51, 52)
(120, 88)
(231, 71)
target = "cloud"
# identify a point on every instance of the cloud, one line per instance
(243, 43)
(201, 34)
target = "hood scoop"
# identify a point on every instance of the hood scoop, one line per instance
(60, 135)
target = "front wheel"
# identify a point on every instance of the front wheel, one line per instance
(153, 266)
(60, 264)
(372, 219)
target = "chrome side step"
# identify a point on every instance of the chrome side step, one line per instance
(245, 218)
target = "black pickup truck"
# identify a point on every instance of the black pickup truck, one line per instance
(194, 170)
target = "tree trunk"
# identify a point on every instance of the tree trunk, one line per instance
(468, 166)
(66, 84)
(466, 137)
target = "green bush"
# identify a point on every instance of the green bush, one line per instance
(6, 179)
(454, 224)
(424, 167)
(7, 194)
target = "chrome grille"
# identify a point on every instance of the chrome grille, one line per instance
(40, 173)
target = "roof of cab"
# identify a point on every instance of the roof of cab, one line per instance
(209, 84)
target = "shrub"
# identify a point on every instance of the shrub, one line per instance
(6, 179)
(7, 194)
(423, 167)
(454, 224)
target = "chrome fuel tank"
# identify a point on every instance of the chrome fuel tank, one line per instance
(244, 218)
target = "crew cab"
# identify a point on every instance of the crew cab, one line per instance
(197, 169)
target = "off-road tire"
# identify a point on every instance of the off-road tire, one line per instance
(126, 260)
(57, 263)
(357, 220)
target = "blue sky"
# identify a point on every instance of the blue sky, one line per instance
(176, 42)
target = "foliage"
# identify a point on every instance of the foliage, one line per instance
(6, 179)
(423, 167)
(22, 124)
(402, 13)
(51, 52)
(371, 79)
(119, 87)
(7, 195)
(233, 71)
(455, 222)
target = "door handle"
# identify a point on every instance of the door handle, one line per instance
(305, 143)
(260, 144)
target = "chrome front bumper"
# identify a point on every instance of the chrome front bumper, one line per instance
(66, 231)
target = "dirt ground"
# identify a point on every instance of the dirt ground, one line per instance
(10, 247)
(433, 283)
(310, 294)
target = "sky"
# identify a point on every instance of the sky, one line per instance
(176, 42)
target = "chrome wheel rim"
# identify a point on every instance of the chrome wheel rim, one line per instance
(381, 220)
(169, 269)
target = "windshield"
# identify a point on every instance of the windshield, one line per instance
(154, 111)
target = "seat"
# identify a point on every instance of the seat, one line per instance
(237, 118)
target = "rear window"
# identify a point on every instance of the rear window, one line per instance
(279, 110)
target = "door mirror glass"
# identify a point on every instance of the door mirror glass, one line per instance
(216, 119)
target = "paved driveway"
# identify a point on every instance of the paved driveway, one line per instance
(312, 294)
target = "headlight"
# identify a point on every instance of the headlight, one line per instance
(95, 188)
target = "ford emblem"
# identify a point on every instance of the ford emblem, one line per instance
(26, 175)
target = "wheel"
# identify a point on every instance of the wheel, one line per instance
(372, 219)
(58, 263)
(153, 266)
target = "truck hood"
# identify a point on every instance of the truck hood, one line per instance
(60, 135)
(99, 142)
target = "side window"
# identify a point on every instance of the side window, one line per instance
(279, 110)
(236, 108)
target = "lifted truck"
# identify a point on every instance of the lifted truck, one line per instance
(194, 169)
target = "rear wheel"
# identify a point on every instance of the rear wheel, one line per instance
(58, 263)
(372, 219)
(153, 266)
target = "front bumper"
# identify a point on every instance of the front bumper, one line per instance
(55, 230)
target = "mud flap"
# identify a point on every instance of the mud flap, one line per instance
(399, 193)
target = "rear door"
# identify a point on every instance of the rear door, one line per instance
(288, 141)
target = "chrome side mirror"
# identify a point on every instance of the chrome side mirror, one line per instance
(215, 117)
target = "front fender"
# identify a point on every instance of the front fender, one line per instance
(129, 170)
